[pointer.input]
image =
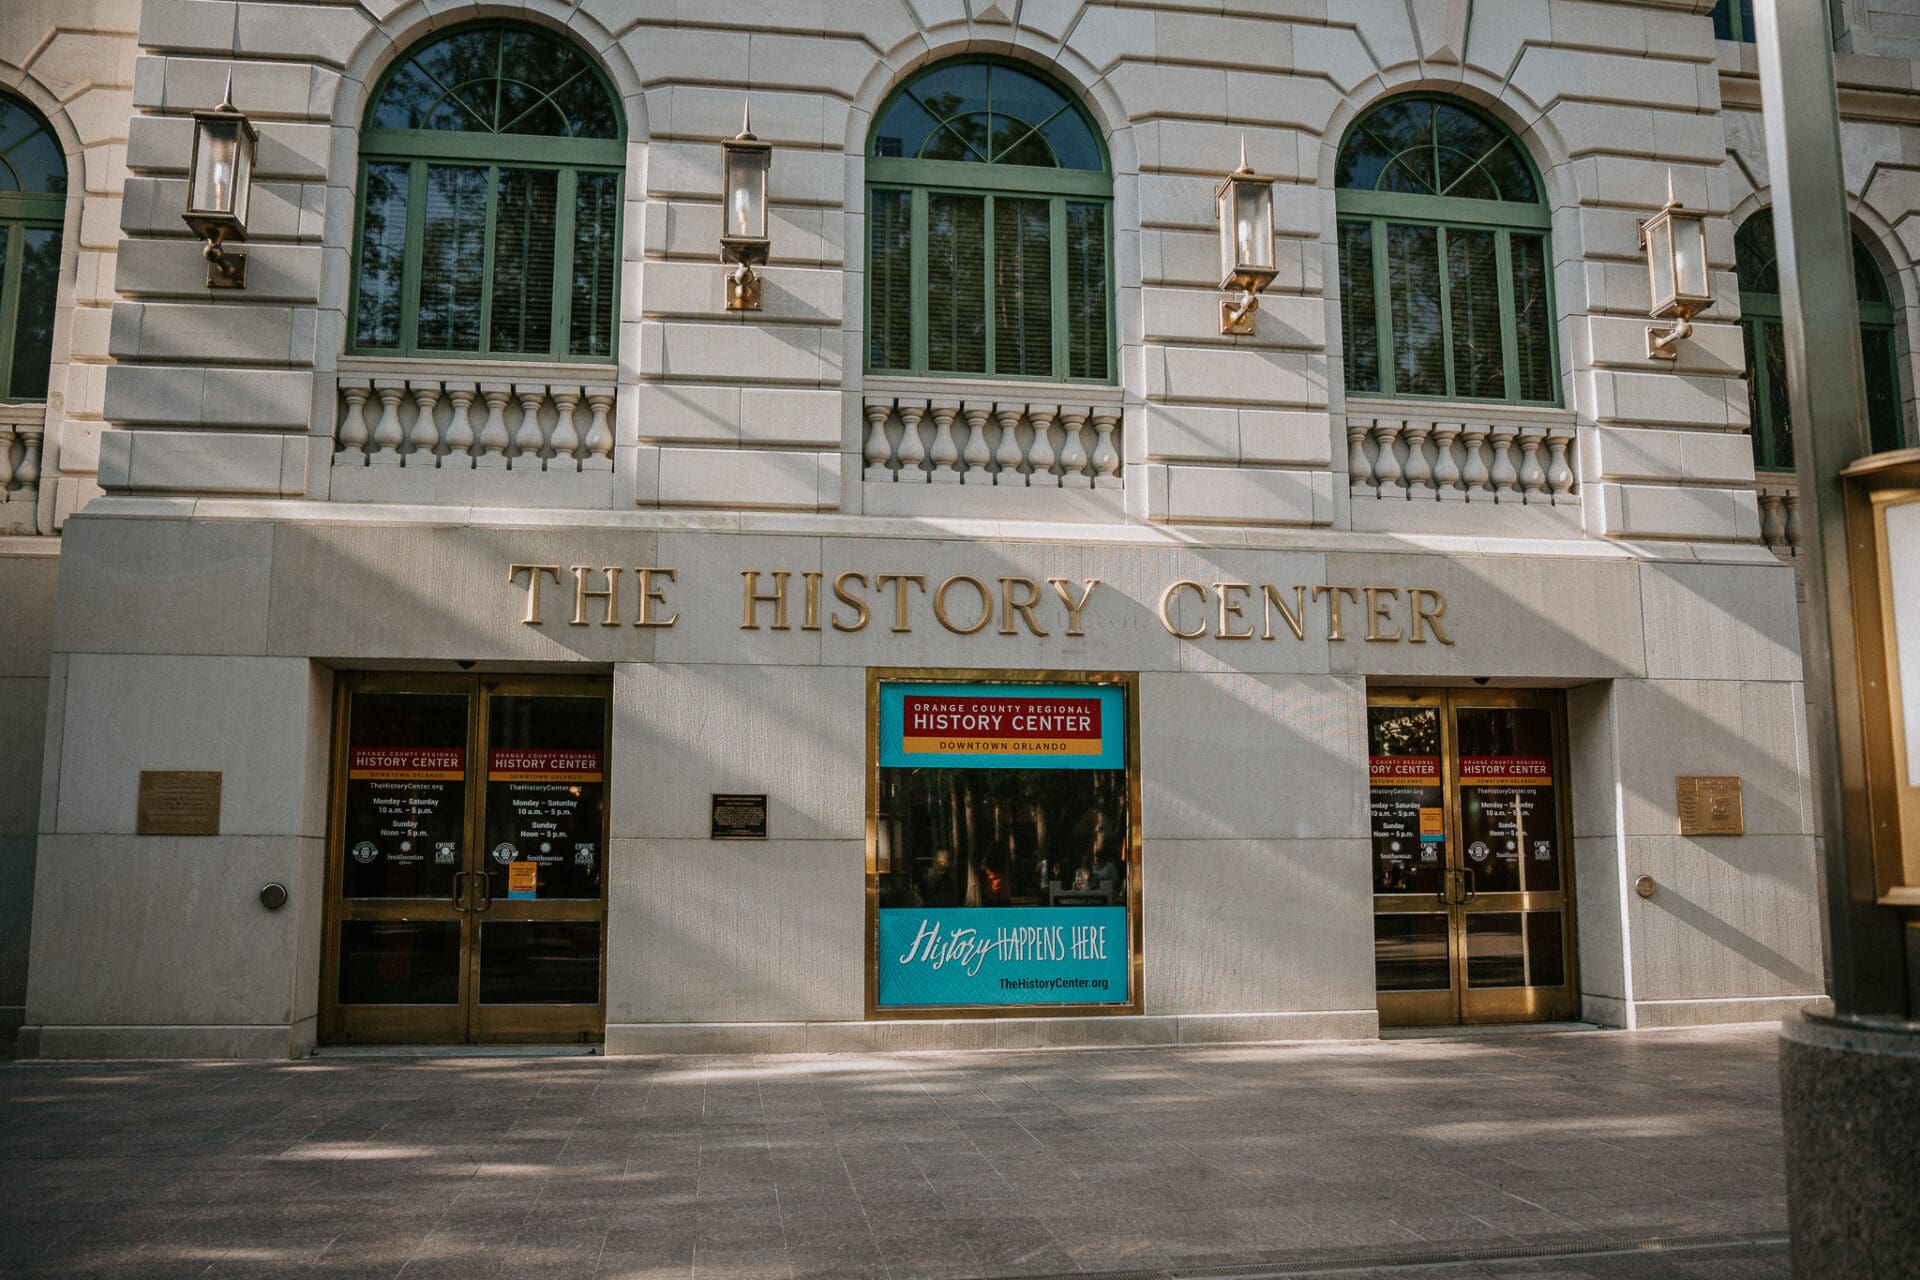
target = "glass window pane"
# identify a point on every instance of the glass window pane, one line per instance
(1754, 261)
(399, 962)
(1419, 350)
(1883, 387)
(957, 88)
(890, 280)
(1073, 144)
(1868, 284)
(404, 828)
(522, 314)
(383, 256)
(1087, 291)
(453, 246)
(540, 962)
(30, 158)
(1023, 96)
(1022, 288)
(37, 288)
(1015, 142)
(1757, 427)
(1496, 949)
(1406, 798)
(467, 59)
(1533, 318)
(962, 138)
(1473, 298)
(1546, 950)
(1508, 819)
(1779, 409)
(596, 263)
(1359, 326)
(904, 128)
(589, 110)
(956, 284)
(1410, 952)
(546, 795)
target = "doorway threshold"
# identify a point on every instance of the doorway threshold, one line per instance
(457, 1051)
(1485, 1030)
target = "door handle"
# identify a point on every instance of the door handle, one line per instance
(485, 881)
(459, 889)
(1467, 886)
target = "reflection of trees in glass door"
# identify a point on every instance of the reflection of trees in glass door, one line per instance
(1471, 920)
(466, 861)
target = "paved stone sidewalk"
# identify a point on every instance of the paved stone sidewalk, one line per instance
(897, 1166)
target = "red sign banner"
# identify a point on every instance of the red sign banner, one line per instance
(1067, 726)
(543, 766)
(406, 764)
(1495, 771)
(1403, 771)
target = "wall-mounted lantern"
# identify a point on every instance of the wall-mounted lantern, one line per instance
(743, 234)
(1244, 205)
(1676, 244)
(219, 182)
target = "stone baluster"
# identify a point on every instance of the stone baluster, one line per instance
(387, 437)
(459, 453)
(1474, 473)
(1040, 455)
(1106, 459)
(945, 451)
(26, 476)
(1773, 519)
(1791, 501)
(879, 451)
(1073, 452)
(1386, 464)
(599, 441)
(1009, 455)
(1359, 465)
(527, 441)
(1418, 472)
(493, 432)
(1446, 471)
(353, 423)
(913, 450)
(1559, 471)
(975, 457)
(7, 434)
(566, 436)
(1533, 476)
(424, 436)
(1506, 478)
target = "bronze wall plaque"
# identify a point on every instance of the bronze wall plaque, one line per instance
(178, 803)
(1710, 806)
(739, 817)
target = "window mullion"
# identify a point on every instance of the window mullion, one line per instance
(987, 291)
(11, 289)
(416, 254)
(565, 198)
(1383, 310)
(1444, 277)
(1062, 363)
(1509, 317)
(917, 257)
(486, 260)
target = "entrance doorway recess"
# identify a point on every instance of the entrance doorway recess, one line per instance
(466, 861)
(1472, 858)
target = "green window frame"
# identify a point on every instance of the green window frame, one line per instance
(990, 229)
(1446, 258)
(491, 179)
(1762, 331)
(33, 207)
(1733, 20)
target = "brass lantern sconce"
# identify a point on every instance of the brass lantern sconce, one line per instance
(743, 233)
(219, 184)
(1244, 205)
(1676, 244)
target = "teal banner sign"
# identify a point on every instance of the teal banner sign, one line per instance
(1002, 726)
(937, 957)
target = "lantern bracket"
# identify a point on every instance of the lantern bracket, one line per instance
(741, 156)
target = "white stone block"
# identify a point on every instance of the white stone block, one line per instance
(740, 478)
(1248, 495)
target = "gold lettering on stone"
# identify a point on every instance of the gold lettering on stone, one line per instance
(1059, 586)
(1166, 609)
(1295, 618)
(651, 595)
(1023, 606)
(1333, 594)
(840, 592)
(753, 598)
(812, 580)
(900, 581)
(940, 604)
(1378, 613)
(1230, 610)
(582, 574)
(1424, 617)
(533, 572)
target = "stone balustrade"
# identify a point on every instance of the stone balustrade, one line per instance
(1009, 445)
(431, 421)
(1779, 495)
(1424, 459)
(22, 429)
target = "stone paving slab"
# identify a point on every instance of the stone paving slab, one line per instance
(900, 1166)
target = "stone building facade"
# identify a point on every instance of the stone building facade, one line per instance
(762, 542)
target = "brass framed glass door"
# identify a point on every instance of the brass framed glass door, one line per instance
(466, 869)
(1472, 868)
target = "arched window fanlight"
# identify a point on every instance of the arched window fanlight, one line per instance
(33, 201)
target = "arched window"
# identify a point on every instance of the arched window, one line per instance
(489, 202)
(1446, 278)
(1759, 274)
(990, 211)
(1733, 20)
(33, 201)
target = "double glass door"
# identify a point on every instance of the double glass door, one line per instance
(1471, 859)
(467, 861)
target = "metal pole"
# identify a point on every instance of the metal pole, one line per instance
(1829, 414)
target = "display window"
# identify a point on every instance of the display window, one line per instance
(1004, 844)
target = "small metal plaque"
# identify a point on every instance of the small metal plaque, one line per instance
(1710, 806)
(739, 817)
(178, 803)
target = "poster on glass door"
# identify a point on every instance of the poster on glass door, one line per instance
(543, 822)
